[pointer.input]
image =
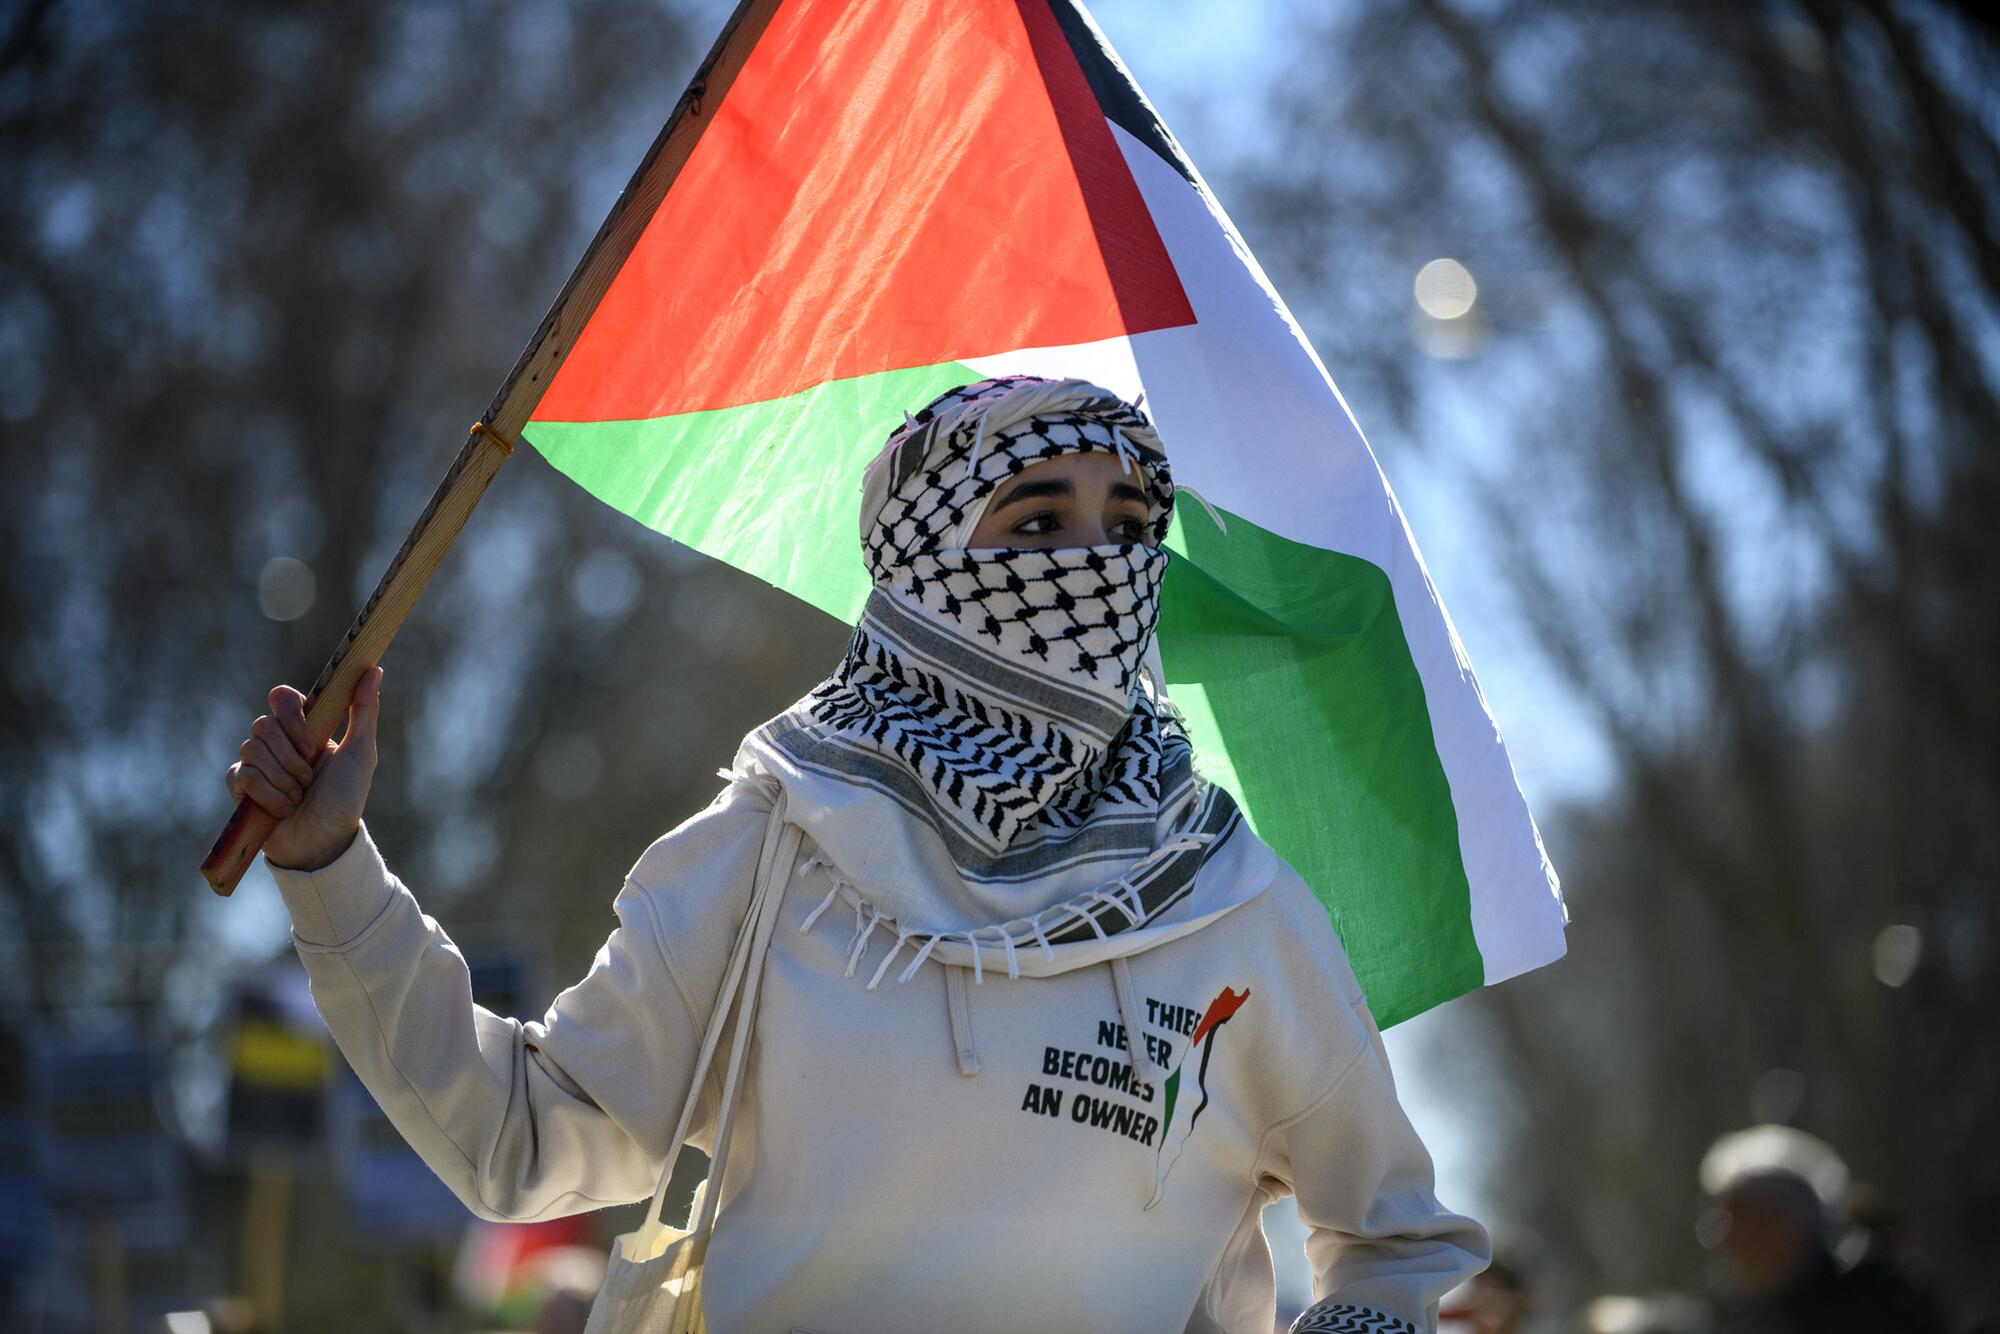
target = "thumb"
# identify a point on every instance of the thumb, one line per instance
(363, 712)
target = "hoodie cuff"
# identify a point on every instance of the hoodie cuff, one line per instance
(1347, 1318)
(336, 903)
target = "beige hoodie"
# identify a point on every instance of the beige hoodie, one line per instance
(936, 1155)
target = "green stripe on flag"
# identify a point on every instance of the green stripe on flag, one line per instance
(772, 488)
(1296, 655)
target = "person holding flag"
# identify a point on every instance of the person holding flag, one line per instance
(1041, 1024)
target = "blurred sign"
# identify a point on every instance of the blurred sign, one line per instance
(97, 1100)
(508, 1270)
(24, 1221)
(392, 1196)
(279, 1061)
(94, 1187)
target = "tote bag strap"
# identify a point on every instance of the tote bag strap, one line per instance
(774, 865)
(787, 853)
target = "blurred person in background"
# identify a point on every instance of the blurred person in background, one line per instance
(1775, 1190)
(1878, 1246)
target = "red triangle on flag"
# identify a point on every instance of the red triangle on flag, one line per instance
(883, 186)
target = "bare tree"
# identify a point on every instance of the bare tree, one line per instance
(259, 267)
(1733, 395)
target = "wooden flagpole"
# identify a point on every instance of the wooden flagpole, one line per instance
(492, 437)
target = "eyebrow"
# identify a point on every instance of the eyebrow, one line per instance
(1060, 486)
(1054, 486)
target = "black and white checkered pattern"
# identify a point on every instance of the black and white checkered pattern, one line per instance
(1087, 611)
(1023, 707)
(935, 478)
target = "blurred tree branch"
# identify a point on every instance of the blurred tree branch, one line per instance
(259, 266)
(1738, 291)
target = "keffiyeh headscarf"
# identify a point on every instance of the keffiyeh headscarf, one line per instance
(996, 699)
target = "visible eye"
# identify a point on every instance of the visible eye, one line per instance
(1038, 524)
(1129, 530)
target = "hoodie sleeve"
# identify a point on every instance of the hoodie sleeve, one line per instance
(1383, 1250)
(532, 1120)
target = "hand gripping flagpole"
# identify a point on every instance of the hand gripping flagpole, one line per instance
(450, 505)
(492, 437)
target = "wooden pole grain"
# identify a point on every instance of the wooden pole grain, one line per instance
(493, 435)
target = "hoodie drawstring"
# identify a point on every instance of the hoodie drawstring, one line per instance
(1122, 894)
(960, 1005)
(1143, 1068)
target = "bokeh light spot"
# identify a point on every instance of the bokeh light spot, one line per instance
(605, 584)
(1898, 950)
(1711, 1225)
(286, 588)
(1445, 289)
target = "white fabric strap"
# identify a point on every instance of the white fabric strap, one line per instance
(960, 1007)
(747, 943)
(777, 878)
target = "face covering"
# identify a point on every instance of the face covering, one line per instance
(990, 745)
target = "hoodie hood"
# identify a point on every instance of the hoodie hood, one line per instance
(1195, 874)
(1191, 879)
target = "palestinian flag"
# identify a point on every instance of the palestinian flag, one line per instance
(1190, 1097)
(887, 198)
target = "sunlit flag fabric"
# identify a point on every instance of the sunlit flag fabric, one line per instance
(893, 198)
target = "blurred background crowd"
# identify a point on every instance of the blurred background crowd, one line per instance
(1673, 323)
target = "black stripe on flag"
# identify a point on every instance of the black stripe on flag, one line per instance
(1201, 1075)
(1117, 96)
